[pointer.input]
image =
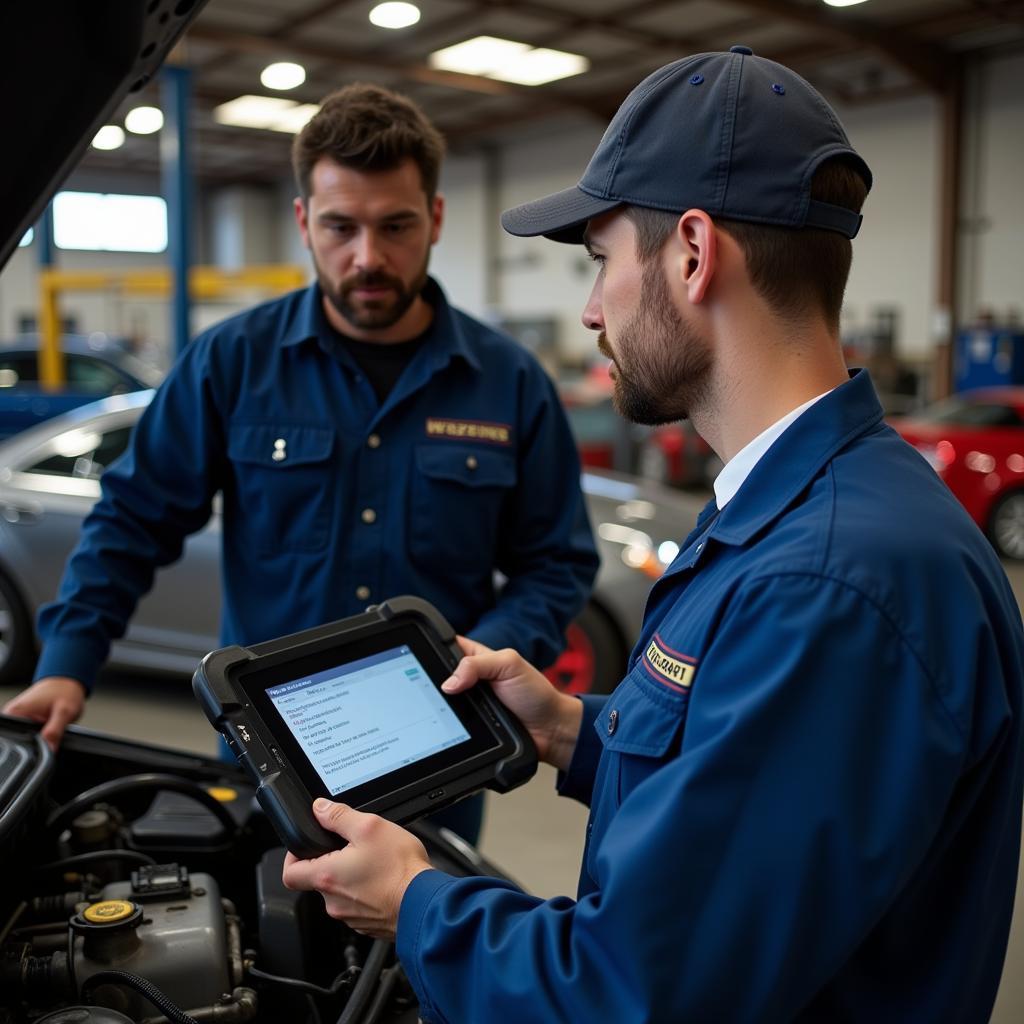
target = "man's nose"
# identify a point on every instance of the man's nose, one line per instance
(593, 312)
(368, 253)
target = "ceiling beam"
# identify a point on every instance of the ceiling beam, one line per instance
(923, 61)
(416, 71)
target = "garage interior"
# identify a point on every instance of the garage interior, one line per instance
(931, 92)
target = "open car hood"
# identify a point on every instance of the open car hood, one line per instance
(66, 65)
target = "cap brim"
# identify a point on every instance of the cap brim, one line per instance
(561, 217)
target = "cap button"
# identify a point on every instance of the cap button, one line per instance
(742, 49)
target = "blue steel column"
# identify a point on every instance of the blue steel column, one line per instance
(176, 174)
(44, 237)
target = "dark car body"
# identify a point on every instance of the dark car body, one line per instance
(975, 442)
(94, 367)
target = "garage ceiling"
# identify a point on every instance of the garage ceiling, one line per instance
(877, 50)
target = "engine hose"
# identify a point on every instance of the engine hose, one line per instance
(80, 859)
(143, 781)
(145, 988)
(363, 988)
(388, 981)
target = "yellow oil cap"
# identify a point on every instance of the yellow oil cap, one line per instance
(108, 911)
(222, 793)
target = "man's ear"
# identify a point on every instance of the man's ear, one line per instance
(436, 218)
(695, 234)
(302, 218)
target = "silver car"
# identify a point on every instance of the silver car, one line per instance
(49, 479)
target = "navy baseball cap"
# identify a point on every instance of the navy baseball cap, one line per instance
(732, 134)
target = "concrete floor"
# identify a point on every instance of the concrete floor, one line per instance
(531, 833)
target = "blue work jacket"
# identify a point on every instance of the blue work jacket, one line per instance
(333, 500)
(806, 793)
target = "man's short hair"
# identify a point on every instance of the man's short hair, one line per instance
(368, 128)
(798, 271)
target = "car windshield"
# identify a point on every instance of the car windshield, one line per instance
(967, 413)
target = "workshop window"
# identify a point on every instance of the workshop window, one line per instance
(109, 223)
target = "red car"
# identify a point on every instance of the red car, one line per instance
(975, 442)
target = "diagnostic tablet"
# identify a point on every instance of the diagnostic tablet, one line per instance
(353, 711)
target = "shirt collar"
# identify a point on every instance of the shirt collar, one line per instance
(797, 456)
(448, 340)
(738, 468)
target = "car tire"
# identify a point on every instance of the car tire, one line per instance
(1006, 526)
(594, 659)
(17, 644)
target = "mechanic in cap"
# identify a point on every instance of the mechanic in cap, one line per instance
(806, 793)
(368, 440)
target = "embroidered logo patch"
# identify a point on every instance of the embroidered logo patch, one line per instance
(493, 433)
(669, 667)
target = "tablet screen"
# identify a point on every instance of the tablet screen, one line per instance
(362, 720)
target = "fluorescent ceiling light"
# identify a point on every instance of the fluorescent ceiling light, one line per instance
(395, 15)
(144, 120)
(508, 61)
(268, 112)
(843, 3)
(294, 119)
(110, 136)
(283, 75)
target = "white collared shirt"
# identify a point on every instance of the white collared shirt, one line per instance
(738, 468)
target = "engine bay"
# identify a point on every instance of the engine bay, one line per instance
(144, 885)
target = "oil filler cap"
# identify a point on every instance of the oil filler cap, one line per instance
(109, 912)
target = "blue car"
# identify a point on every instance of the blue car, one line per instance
(94, 367)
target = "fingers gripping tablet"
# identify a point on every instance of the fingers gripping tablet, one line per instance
(353, 711)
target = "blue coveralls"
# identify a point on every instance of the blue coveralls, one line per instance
(805, 795)
(333, 501)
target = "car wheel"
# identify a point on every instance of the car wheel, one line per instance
(1006, 526)
(17, 645)
(594, 658)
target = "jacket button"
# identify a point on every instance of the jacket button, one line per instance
(373, 441)
(368, 515)
(362, 593)
(613, 721)
(279, 449)
(471, 462)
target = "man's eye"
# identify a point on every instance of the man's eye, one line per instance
(596, 257)
(396, 229)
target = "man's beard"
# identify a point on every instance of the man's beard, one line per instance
(372, 314)
(663, 366)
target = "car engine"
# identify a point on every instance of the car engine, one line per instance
(144, 885)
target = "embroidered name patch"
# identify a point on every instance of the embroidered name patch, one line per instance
(493, 433)
(669, 667)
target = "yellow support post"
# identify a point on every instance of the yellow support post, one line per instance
(51, 358)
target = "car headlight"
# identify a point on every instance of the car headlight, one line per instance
(638, 549)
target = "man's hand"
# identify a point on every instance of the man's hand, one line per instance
(56, 701)
(364, 883)
(551, 718)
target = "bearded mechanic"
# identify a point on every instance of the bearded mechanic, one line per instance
(368, 438)
(806, 793)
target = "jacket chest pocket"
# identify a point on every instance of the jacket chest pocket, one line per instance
(456, 494)
(286, 487)
(640, 727)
